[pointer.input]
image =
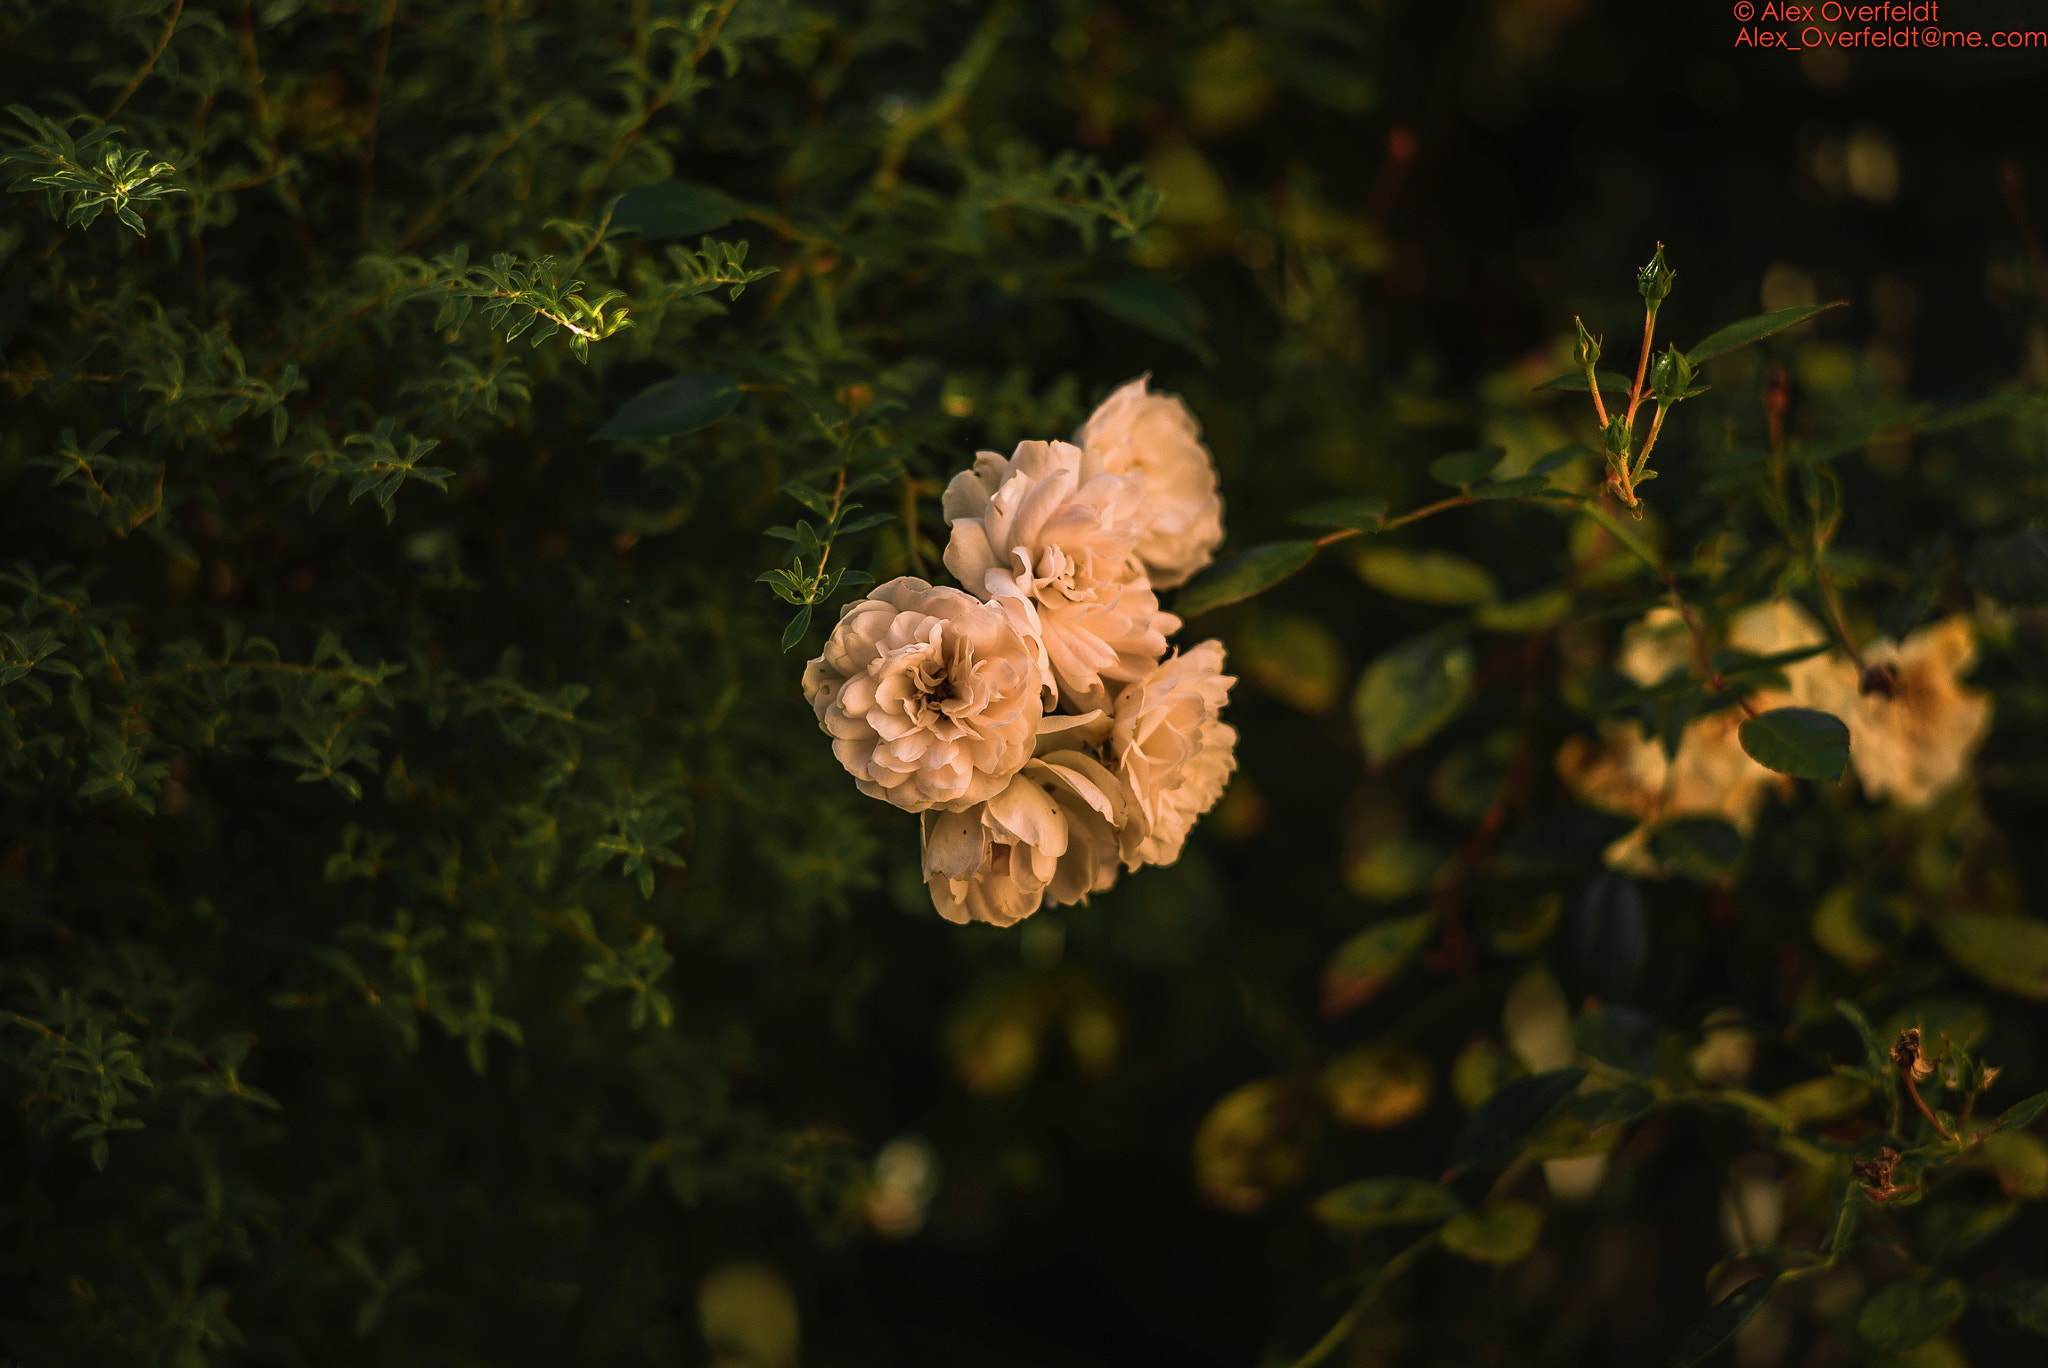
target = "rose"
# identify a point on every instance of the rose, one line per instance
(1172, 750)
(932, 697)
(992, 862)
(1058, 552)
(1155, 439)
(1053, 834)
(1913, 727)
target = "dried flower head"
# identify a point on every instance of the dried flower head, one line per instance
(932, 698)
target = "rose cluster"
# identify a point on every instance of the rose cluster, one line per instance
(1033, 718)
(1913, 726)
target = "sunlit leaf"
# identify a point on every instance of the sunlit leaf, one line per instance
(1755, 329)
(1501, 1233)
(1243, 575)
(1409, 693)
(2024, 1112)
(2008, 952)
(1802, 742)
(1425, 576)
(1371, 1203)
(1367, 962)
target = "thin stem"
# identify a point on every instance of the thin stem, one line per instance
(1389, 524)
(1642, 461)
(1913, 1091)
(1593, 385)
(439, 207)
(956, 85)
(1635, 395)
(1334, 1340)
(135, 82)
(1836, 618)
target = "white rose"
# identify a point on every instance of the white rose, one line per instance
(1057, 552)
(1054, 834)
(1172, 749)
(992, 862)
(1914, 732)
(1913, 727)
(1155, 438)
(1626, 773)
(932, 697)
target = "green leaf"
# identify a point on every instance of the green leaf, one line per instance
(1408, 694)
(2012, 569)
(1738, 335)
(1721, 1322)
(673, 407)
(1910, 1312)
(798, 625)
(673, 209)
(2022, 1113)
(1558, 459)
(1243, 575)
(1802, 742)
(1462, 469)
(1524, 615)
(1362, 512)
(1512, 1115)
(1997, 406)
(1614, 1106)
(1371, 1203)
(1425, 576)
(1575, 383)
(1369, 961)
(2008, 952)
(2025, 1301)
(1154, 307)
(1503, 1233)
